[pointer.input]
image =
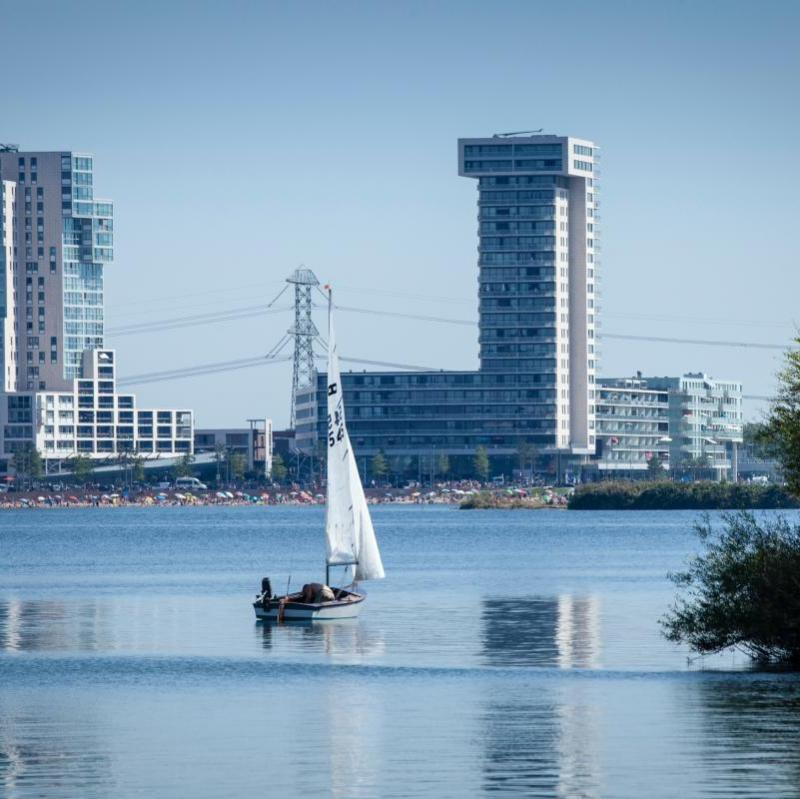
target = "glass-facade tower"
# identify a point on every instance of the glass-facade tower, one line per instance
(62, 239)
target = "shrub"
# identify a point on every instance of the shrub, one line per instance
(743, 592)
(679, 496)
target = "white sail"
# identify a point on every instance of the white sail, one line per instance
(348, 526)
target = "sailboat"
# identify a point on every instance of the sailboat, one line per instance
(350, 536)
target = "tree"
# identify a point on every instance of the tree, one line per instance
(27, 463)
(238, 465)
(279, 471)
(781, 432)
(480, 463)
(398, 467)
(183, 468)
(756, 442)
(442, 464)
(219, 457)
(379, 467)
(741, 592)
(137, 469)
(526, 455)
(695, 467)
(655, 468)
(82, 468)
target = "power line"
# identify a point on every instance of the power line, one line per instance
(174, 300)
(404, 366)
(243, 312)
(695, 319)
(245, 363)
(231, 315)
(198, 370)
(177, 298)
(398, 314)
(700, 341)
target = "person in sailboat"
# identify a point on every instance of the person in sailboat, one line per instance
(314, 593)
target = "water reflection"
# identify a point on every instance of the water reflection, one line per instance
(537, 747)
(562, 631)
(344, 639)
(49, 624)
(355, 718)
(750, 729)
(53, 752)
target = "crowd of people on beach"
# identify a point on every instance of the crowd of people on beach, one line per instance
(450, 493)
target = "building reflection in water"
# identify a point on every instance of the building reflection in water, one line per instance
(355, 715)
(545, 744)
(562, 631)
(48, 624)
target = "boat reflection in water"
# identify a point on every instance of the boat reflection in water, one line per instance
(345, 640)
(542, 743)
(561, 631)
(50, 625)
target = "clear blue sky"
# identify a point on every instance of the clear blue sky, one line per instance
(240, 139)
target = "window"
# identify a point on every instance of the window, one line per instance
(580, 149)
(585, 166)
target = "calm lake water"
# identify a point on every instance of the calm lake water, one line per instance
(508, 653)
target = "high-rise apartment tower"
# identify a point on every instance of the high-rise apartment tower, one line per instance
(537, 259)
(61, 239)
(537, 262)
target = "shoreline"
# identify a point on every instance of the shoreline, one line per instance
(37, 500)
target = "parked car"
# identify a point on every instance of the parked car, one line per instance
(190, 484)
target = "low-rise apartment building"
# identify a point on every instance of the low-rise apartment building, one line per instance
(632, 426)
(92, 419)
(688, 422)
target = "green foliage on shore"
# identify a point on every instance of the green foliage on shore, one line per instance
(780, 434)
(741, 592)
(480, 463)
(487, 500)
(82, 468)
(664, 495)
(279, 470)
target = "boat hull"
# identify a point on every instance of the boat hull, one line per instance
(345, 607)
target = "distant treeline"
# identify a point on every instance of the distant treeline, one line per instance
(703, 495)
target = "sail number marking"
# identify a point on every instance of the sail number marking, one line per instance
(336, 419)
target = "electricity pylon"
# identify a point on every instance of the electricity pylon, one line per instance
(303, 332)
